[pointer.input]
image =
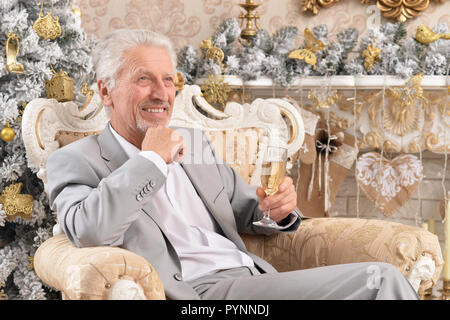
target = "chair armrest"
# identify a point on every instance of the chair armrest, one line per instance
(96, 272)
(329, 241)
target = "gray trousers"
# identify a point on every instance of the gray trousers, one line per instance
(354, 281)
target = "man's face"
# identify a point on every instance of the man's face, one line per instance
(144, 92)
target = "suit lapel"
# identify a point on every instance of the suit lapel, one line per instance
(201, 180)
(200, 166)
(114, 156)
(110, 149)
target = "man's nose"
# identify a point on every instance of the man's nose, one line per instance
(159, 91)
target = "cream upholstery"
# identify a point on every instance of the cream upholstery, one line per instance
(328, 241)
(238, 134)
(92, 273)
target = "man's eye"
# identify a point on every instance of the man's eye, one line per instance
(143, 78)
(170, 79)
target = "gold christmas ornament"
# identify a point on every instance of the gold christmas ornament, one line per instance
(371, 55)
(89, 93)
(425, 35)
(3, 295)
(309, 53)
(47, 27)
(214, 53)
(179, 82)
(216, 90)
(401, 116)
(30, 265)
(15, 204)
(21, 110)
(60, 86)
(7, 134)
(12, 50)
(325, 103)
(76, 11)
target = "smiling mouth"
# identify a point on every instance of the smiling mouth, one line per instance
(154, 113)
(154, 110)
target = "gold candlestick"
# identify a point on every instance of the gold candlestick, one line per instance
(446, 272)
(445, 290)
(431, 226)
(446, 281)
(426, 294)
(251, 17)
(3, 295)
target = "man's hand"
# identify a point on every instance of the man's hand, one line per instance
(164, 141)
(281, 203)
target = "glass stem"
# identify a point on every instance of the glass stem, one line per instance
(267, 214)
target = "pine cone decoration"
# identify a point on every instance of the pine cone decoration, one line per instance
(322, 145)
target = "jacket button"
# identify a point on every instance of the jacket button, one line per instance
(178, 276)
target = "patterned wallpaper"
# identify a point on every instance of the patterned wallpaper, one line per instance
(191, 21)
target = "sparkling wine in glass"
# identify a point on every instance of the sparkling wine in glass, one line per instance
(272, 174)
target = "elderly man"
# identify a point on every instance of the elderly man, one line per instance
(136, 186)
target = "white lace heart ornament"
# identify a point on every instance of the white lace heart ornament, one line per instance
(388, 183)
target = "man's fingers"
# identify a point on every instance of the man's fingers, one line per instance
(280, 213)
(260, 192)
(277, 197)
(183, 147)
(179, 154)
(287, 199)
(287, 181)
(168, 143)
(286, 195)
(261, 195)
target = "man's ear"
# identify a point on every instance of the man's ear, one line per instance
(104, 92)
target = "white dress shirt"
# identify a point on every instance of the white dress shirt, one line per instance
(186, 221)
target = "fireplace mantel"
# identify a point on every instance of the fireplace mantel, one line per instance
(357, 107)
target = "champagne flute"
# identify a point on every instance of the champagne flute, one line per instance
(272, 173)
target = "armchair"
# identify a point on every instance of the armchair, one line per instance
(239, 134)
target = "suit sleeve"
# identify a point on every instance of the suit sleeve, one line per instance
(96, 211)
(244, 202)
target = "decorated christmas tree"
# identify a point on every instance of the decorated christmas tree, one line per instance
(40, 39)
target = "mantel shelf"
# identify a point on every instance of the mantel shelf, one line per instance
(399, 127)
(336, 82)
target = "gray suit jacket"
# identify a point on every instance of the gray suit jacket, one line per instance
(104, 198)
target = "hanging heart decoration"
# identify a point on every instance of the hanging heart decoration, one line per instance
(388, 183)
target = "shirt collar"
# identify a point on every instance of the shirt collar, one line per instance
(129, 148)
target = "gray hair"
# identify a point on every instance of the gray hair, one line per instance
(108, 53)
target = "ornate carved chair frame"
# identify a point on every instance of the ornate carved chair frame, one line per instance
(239, 134)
